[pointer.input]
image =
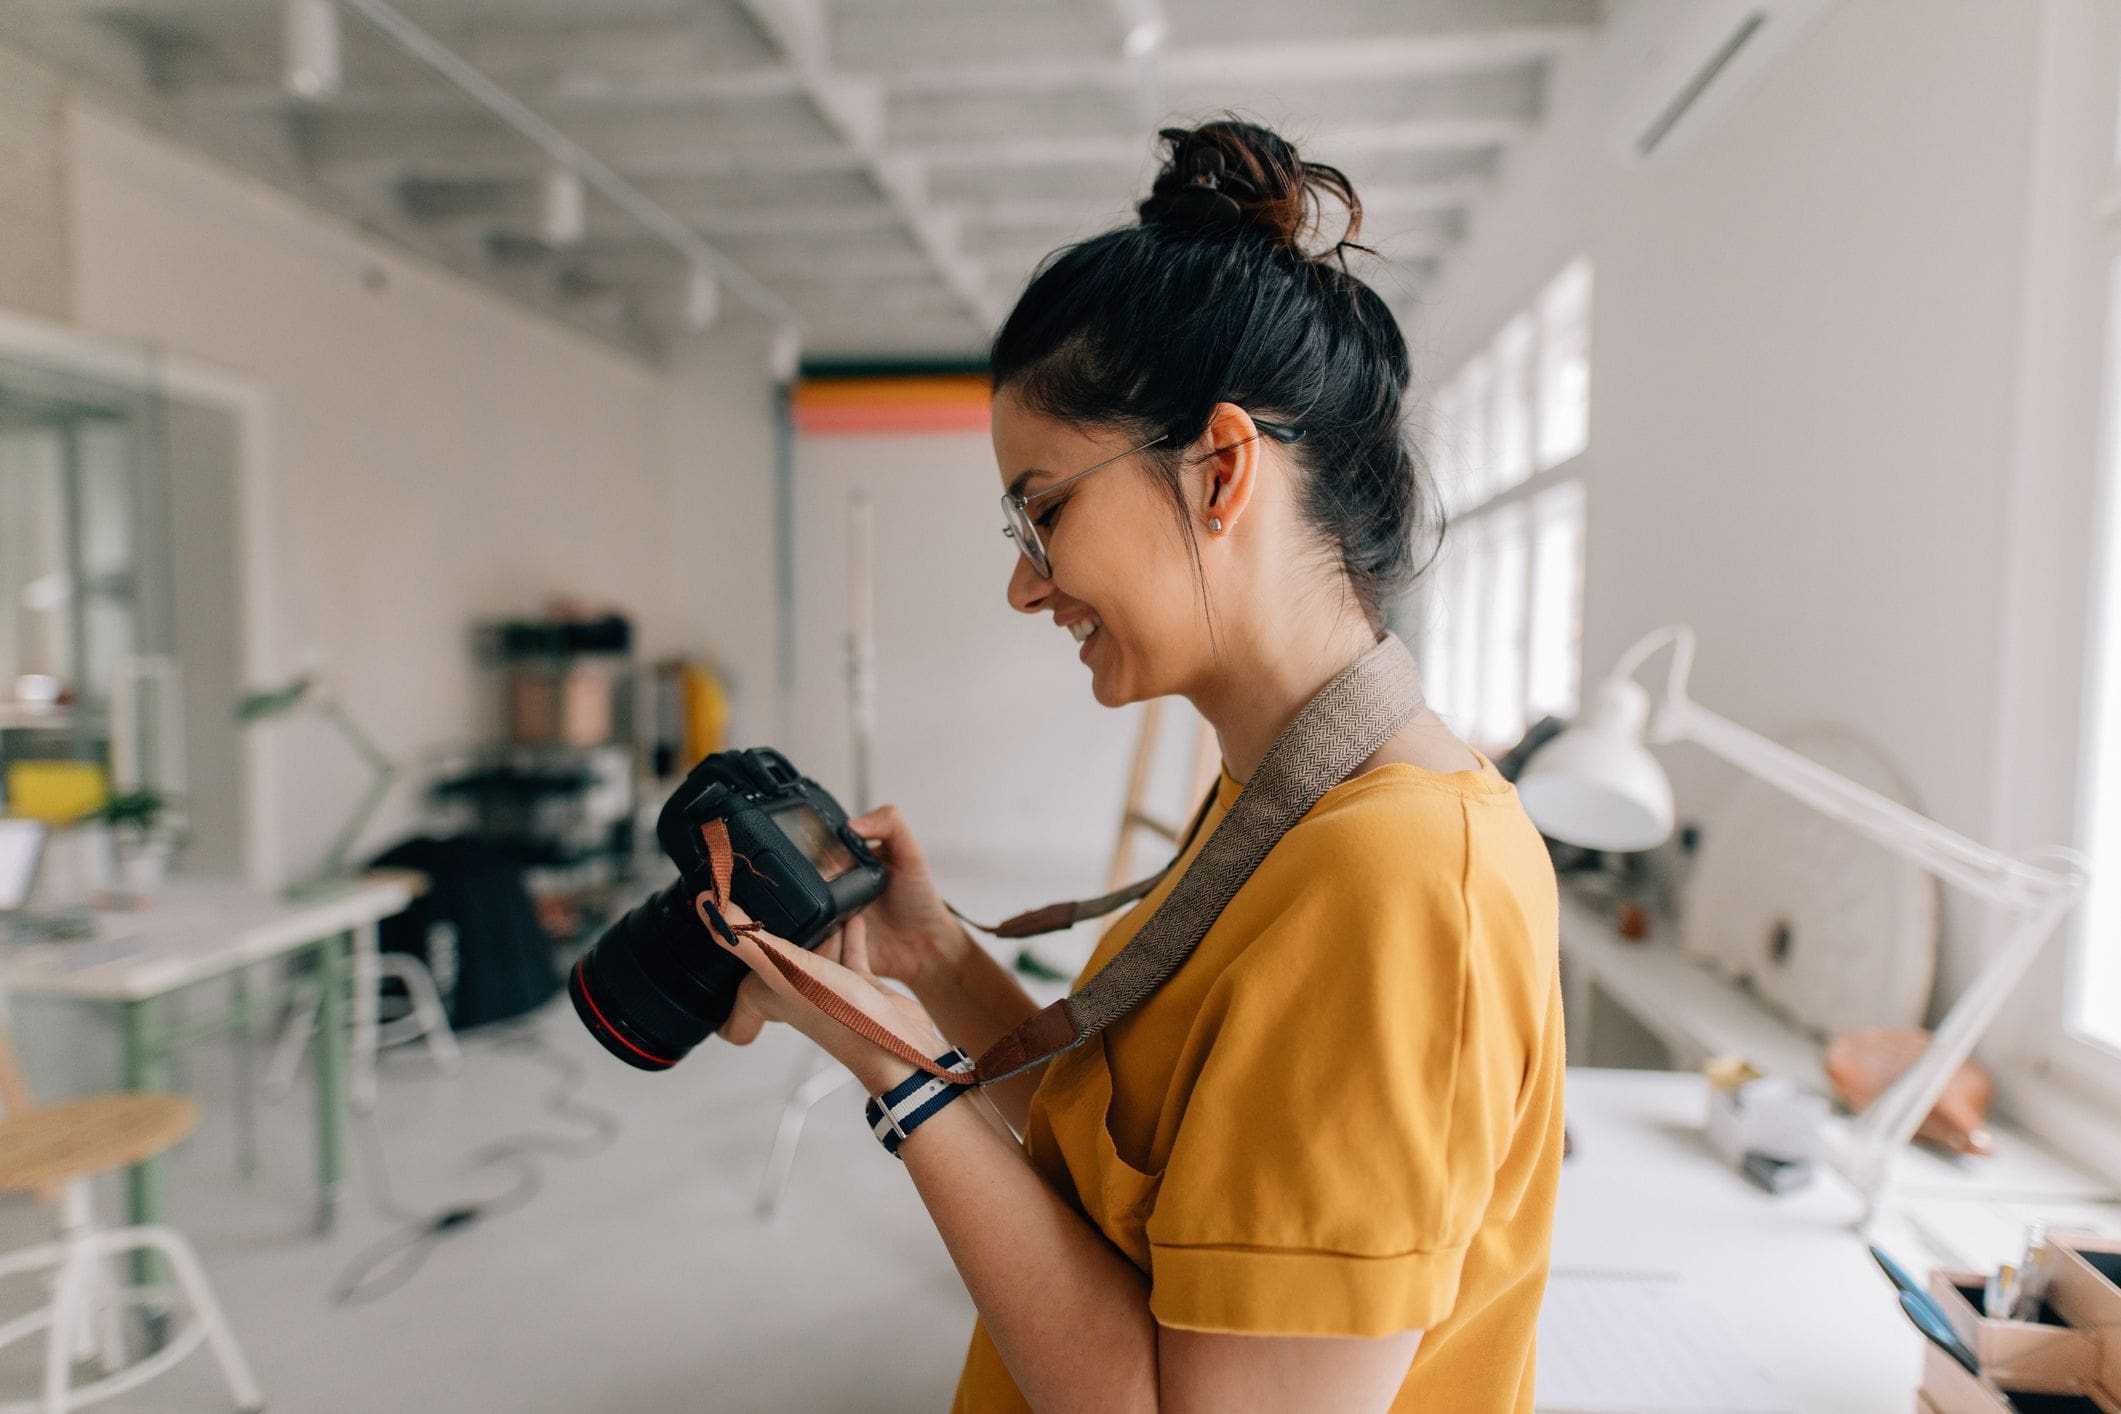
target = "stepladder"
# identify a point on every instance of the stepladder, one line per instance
(1175, 763)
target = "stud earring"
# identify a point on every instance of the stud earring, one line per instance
(1215, 524)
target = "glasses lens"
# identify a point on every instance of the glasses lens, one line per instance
(1025, 534)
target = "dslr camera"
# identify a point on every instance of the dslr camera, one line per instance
(657, 983)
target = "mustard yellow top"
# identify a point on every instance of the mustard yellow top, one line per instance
(1342, 1115)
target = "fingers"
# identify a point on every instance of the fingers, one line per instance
(745, 1020)
(880, 821)
(886, 827)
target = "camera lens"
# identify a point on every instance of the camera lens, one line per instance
(656, 984)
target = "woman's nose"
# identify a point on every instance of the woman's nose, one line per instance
(1028, 590)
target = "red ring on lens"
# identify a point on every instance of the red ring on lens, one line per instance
(581, 989)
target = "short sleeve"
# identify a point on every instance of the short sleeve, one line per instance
(1350, 1107)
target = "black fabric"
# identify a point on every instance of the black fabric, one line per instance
(505, 960)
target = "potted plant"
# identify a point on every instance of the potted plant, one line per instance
(145, 831)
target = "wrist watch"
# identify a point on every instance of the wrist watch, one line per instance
(909, 1104)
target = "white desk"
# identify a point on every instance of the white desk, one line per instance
(196, 930)
(1786, 1276)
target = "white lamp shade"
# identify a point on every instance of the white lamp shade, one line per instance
(1596, 785)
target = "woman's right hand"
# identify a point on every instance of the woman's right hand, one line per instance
(912, 935)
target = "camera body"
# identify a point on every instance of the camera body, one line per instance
(799, 868)
(657, 983)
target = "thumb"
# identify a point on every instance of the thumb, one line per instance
(745, 1020)
(854, 946)
(735, 917)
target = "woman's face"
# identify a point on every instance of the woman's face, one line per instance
(1123, 585)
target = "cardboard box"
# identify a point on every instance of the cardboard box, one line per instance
(2087, 1284)
(2087, 1291)
(2048, 1354)
(1949, 1389)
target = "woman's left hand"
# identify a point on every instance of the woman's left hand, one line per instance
(841, 962)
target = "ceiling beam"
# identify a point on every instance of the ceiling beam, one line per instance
(484, 204)
(1471, 131)
(1071, 218)
(854, 109)
(639, 257)
(567, 94)
(566, 86)
(567, 153)
(472, 154)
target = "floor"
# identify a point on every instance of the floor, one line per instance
(637, 1277)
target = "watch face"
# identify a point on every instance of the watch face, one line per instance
(809, 832)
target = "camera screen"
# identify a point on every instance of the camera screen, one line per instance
(815, 839)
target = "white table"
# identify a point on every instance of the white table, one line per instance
(1788, 1277)
(196, 930)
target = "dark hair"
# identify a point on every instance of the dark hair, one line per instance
(1212, 297)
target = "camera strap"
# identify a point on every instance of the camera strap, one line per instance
(1345, 724)
(1059, 917)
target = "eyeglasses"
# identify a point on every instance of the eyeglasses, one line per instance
(1016, 507)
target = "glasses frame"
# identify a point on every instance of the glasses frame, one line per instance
(1016, 506)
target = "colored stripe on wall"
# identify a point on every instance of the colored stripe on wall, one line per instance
(861, 407)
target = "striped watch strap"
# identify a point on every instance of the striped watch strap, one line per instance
(907, 1105)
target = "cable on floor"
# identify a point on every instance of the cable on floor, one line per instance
(394, 1259)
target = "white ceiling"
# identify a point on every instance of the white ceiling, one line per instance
(891, 169)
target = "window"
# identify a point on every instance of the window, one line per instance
(1555, 665)
(1502, 625)
(1564, 365)
(2095, 990)
(1510, 441)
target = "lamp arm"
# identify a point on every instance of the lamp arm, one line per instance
(328, 706)
(2038, 898)
(1988, 873)
(1682, 639)
(334, 865)
(384, 773)
(1885, 1128)
(2037, 893)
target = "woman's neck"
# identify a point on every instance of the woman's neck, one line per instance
(1258, 688)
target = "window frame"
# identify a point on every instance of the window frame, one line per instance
(2088, 1063)
(2063, 562)
(1464, 442)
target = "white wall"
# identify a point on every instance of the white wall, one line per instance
(36, 274)
(1803, 364)
(715, 439)
(441, 456)
(987, 735)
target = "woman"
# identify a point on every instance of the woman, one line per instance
(1316, 1169)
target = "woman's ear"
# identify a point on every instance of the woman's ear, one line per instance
(1225, 469)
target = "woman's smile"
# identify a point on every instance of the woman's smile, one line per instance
(1082, 628)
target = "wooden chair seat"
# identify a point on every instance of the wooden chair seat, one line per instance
(52, 1145)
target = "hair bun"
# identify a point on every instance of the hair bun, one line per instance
(1231, 177)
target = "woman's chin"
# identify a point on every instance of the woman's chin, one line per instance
(1106, 687)
(1112, 690)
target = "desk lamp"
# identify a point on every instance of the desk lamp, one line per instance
(307, 692)
(1597, 786)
